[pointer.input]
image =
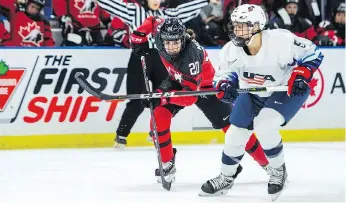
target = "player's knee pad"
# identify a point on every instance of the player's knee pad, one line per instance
(236, 139)
(267, 125)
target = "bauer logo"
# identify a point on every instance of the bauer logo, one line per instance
(9, 81)
(56, 95)
(316, 89)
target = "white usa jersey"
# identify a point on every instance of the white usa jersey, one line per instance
(280, 52)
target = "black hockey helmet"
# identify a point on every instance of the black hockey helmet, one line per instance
(291, 1)
(339, 26)
(173, 29)
(40, 3)
(339, 8)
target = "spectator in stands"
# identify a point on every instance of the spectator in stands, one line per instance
(330, 7)
(4, 35)
(9, 7)
(117, 34)
(118, 31)
(212, 16)
(301, 27)
(29, 27)
(306, 9)
(332, 32)
(81, 21)
(207, 24)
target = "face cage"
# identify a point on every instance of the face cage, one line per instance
(173, 56)
(240, 41)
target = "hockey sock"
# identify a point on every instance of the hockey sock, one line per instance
(224, 129)
(254, 149)
(163, 119)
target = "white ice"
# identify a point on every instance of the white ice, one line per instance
(316, 173)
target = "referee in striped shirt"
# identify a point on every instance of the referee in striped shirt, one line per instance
(134, 15)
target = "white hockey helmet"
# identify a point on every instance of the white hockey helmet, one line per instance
(250, 15)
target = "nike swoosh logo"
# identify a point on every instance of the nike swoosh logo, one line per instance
(277, 102)
(225, 118)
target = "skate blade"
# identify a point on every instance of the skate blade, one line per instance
(218, 193)
(170, 179)
(275, 196)
(118, 146)
(150, 139)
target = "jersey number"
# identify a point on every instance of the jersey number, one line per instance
(194, 68)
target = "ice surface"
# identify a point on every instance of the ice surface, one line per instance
(316, 173)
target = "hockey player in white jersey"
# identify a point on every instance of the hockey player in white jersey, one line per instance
(262, 58)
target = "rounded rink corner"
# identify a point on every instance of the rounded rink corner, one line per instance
(42, 105)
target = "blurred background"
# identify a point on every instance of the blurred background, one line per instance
(86, 24)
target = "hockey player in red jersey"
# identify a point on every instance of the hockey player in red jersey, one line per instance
(332, 32)
(82, 18)
(30, 28)
(4, 35)
(117, 34)
(189, 69)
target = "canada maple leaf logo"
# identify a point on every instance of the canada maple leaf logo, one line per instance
(312, 85)
(316, 86)
(31, 33)
(85, 6)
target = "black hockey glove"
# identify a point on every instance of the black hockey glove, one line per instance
(139, 43)
(228, 92)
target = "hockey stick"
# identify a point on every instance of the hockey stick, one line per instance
(93, 91)
(165, 184)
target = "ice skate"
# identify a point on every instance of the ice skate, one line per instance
(219, 185)
(268, 169)
(169, 170)
(277, 182)
(120, 142)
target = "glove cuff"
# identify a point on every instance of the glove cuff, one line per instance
(138, 37)
(303, 71)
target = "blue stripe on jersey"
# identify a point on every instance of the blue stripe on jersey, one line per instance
(313, 61)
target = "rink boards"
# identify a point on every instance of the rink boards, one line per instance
(41, 106)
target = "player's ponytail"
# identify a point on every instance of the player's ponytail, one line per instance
(190, 34)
